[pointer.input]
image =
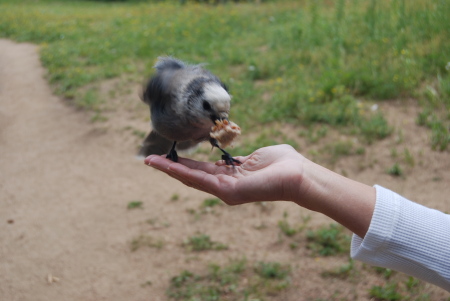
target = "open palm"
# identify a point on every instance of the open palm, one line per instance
(265, 175)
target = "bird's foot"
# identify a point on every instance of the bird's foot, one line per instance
(172, 155)
(229, 160)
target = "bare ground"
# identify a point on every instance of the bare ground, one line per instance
(65, 183)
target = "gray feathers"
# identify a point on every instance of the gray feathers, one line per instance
(184, 101)
(167, 63)
(158, 145)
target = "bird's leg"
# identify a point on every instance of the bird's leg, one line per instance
(229, 160)
(172, 155)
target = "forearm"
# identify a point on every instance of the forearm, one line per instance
(346, 201)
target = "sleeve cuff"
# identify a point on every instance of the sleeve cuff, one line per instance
(385, 216)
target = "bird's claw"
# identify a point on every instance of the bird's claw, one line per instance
(172, 155)
(229, 160)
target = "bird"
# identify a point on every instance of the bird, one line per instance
(185, 102)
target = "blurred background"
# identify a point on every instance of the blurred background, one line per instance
(361, 87)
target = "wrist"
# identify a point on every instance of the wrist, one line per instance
(346, 201)
(302, 182)
(309, 185)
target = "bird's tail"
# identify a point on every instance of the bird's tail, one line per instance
(155, 144)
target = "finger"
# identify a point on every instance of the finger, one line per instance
(241, 159)
(161, 163)
(183, 174)
(195, 176)
(158, 162)
(205, 166)
(197, 179)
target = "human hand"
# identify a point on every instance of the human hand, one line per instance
(269, 174)
(278, 173)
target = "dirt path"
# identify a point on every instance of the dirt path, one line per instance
(64, 187)
(65, 183)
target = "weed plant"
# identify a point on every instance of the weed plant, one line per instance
(342, 272)
(328, 240)
(302, 62)
(211, 202)
(146, 241)
(395, 170)
(235, 281)
(202, 242)
(135, 205)
(388, 292)
(386, 273)
(272, 270)
(286, 228)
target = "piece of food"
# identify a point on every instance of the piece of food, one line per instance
(225, 132)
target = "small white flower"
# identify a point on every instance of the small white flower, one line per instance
(374, 107)
(251, 68)
(447, 67)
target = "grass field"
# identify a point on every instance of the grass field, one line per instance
(300, 62)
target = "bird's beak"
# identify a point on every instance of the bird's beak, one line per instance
(214, 118)
(219, 117)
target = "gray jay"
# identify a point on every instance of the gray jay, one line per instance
(185, 102)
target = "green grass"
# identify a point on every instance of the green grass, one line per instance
(301, 62)
(386, 273)
(314, 134)
(395, 170)
(337, 150)
(412, 284)
(290, 230)
(408, 157)
(146, 241)
(135, 204)
(286, 228)
(202, 242)
(328, 240)
(388, 292)
(272, 270)
(342, 272)
(234, 281)
(211, 202)
(209, 205)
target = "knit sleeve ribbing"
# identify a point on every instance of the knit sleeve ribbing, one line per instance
(406, 237)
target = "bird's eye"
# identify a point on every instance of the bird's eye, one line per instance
(206, 106)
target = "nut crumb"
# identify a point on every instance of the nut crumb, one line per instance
(225, 132)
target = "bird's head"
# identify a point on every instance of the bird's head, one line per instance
(211, 102)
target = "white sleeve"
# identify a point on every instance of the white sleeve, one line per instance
(406, 237)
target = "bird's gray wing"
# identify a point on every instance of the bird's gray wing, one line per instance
(155, 144)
